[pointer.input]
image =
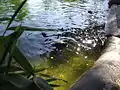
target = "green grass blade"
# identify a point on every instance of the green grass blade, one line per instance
(37, 70)
(13, 68)
(55, 85)
(7, 43)
(32, 28)
(55, 79)
(42, 84)
(4, 47)
(21, 59)
(16, 80)
(45, 75)
(19, 81)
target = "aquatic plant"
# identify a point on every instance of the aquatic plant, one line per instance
(16, 73)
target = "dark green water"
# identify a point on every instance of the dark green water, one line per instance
(64, 36)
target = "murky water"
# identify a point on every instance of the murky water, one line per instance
(65, 32)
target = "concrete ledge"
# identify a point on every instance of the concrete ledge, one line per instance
(113, 23)
(112, 2)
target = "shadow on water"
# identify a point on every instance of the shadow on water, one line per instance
(64, 36)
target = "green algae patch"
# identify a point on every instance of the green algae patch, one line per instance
(69, 71)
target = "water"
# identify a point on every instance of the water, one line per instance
(57, 13)
(60, 14)
(63, 35)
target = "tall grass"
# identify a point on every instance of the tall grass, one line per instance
(16, 73)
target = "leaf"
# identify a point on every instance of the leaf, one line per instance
(32, 28)
(4, 47)
(19, 81)
(8, 86)
(4, 42)
(55, 79)
(18, 31)
(10, 41)
(42, 84)
(51, 78)
(36, 70)
(7, 43)
(21, 59)
(16, 80)
(55, 85)
(13, 68)
(45, 75)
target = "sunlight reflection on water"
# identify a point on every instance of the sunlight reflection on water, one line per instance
(59, 14)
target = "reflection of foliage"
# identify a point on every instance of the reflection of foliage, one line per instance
(22, 13)
(8, 7)
(16, 3)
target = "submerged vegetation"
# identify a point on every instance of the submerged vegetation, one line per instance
(68, 71)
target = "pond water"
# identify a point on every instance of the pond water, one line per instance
(65, 36)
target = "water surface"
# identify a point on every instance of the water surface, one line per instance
(63, 35)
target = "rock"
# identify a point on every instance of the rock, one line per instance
(44, 34)
(90, 12)
(111, 2)
(105, 74)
